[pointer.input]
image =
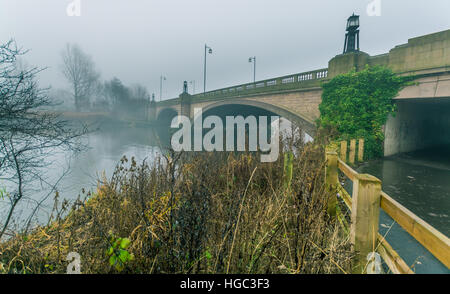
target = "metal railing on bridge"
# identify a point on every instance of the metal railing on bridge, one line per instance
(285, 82)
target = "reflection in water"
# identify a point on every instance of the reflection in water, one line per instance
(106, 148)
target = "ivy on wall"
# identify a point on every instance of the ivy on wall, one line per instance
(357, 105)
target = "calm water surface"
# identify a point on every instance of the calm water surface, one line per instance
(420, 181)
(82, 171)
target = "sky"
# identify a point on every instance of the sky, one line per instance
(137, 41)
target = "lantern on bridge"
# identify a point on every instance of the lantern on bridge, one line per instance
(352, 35)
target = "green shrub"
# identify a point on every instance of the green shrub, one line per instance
(357, 105)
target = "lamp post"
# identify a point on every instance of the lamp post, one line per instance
(193, 88)
(161, 78)
(207, 50)
(253, 59)
(352, 36)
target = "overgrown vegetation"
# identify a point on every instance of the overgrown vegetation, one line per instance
(195, 213)
(357, 105)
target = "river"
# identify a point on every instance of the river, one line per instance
(106, 147)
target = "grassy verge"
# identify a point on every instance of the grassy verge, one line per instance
(194, 213)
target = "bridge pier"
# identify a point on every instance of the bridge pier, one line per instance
(151, 111)
(185, 103)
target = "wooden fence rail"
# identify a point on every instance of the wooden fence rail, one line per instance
(352, 151)
(365, 203)
(433, 240)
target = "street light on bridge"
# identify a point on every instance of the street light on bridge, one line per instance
(209, 50)
(352, 36)
(161, 78)
(253, 59)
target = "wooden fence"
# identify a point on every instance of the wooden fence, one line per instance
(365, 203)
(352, 151)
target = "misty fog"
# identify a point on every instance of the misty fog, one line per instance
(138, 41)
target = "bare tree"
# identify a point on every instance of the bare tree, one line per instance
(29, 132)
(139, 92)
(79, 70)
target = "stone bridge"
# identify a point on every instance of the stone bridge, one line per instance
(423, 117)
(289, 97)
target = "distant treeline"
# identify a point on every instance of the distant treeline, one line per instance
(88, 92)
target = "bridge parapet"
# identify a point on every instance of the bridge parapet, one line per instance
(305, 80)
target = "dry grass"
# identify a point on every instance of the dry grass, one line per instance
(196, 213)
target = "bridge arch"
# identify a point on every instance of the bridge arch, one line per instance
(165, 116)
(306, 125)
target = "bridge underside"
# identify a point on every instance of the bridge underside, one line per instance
(166, 115)
(301, 114)
(418, 124)
(249, 107)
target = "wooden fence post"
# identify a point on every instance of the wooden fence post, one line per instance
(352, 151)
(361, 150)
(331, 180)
(365, 216)
(344, 151)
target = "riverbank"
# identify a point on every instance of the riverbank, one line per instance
(194, 213)
(105, 119)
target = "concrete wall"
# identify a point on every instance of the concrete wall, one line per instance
(344, 63)
(427, 86)
(422, 55)
(419, 124)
